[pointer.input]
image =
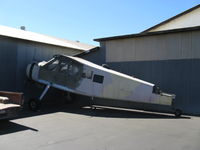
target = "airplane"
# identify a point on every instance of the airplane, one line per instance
(79, 76)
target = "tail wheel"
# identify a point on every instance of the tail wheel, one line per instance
(178, 113)
(34, 104)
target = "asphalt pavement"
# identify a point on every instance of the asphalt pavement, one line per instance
(60, 128)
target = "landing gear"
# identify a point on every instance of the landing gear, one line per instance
(178, 113)
(92, 104)
(93, 107)
(34, 104)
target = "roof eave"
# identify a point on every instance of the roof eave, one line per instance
(82, 50)
(172, 18)
(148, 34)
(87, 52)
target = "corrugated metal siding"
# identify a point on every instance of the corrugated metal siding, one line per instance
(180, 77)
(158, 47)
(8, 52)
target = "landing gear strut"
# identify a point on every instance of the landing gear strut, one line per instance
(34, 104)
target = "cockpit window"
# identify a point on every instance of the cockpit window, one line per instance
(63, 71)
(53, 65)
(64, 68)
(73, 69)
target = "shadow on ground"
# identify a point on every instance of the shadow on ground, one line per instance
(98, 112)
(7, 127)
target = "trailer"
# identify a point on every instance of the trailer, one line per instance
(79, 76)
(10, 104)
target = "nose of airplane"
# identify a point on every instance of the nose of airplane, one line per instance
(29, 70)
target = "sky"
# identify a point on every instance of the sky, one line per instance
(85, 20)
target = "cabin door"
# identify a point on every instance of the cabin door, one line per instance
(98, 85)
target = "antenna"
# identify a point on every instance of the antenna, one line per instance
(23, 28)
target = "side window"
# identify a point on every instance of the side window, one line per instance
(53, 65)
(64, 68)
(70, 69)
(98, 78)
(73, 69)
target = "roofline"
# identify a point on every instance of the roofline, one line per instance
(43, 43)
(148, 34)
(41, 38)
(87, 52)
(172, 18)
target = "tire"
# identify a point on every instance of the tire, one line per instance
(34, 105)
(178, 113)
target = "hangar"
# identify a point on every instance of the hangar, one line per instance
(18, 48)
(167, 54)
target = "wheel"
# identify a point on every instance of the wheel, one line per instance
(34, 105)
(178, 113)
(93, 107)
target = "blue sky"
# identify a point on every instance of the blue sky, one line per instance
(85, 20)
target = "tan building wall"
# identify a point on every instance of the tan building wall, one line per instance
(190, 19)
(174, 46)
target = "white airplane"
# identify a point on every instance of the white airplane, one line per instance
(76, 75)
